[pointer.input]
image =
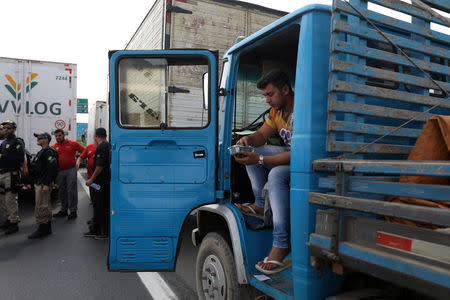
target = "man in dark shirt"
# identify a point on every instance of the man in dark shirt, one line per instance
(11, 159)
(44, 170)
(101, 177)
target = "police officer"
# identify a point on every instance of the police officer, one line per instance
(101, 177)
(2, 134)
(44, 170)
(11, 159)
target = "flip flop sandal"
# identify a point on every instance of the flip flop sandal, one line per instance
(280, 266)
(252, 212)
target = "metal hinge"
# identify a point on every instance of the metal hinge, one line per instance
(220, 194)
(177, 9)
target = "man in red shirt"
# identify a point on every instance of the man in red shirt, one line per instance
(88, 153)
(67, 174)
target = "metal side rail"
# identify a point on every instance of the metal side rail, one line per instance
(398, 167)
(413, 257)
(354, 233)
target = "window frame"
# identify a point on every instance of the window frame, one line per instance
(156, 56)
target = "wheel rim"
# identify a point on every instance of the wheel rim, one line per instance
(213, 278)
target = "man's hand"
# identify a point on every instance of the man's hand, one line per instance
(78, 163)
(45, 188)
(89, 182)
(25, 170)
(248, 158)
(244, 141)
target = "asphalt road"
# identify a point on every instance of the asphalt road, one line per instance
(66, 265)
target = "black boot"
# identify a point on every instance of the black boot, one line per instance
(37, 234)
(60, 214)
(49, 227)
(12, 228)
(5, 224)
(43, 230)
(72, 215)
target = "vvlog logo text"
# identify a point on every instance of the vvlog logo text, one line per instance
(40, 108)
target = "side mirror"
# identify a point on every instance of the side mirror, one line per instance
(205, 90)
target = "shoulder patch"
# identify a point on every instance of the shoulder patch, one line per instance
(18, 146)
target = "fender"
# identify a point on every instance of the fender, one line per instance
(233, 229)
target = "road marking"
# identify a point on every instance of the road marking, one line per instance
(82, 181)
(155, 284)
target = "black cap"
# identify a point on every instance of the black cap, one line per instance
(44, 135)
(10, 123)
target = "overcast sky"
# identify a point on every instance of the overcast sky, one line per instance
(81, 32)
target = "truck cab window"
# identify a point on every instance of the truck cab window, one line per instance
(250, 103)
(277, 52)
(162, 93)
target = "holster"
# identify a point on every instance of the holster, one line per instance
(16, 183)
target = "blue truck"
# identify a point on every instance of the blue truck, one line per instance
(365, 84)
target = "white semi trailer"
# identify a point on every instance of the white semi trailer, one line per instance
(201, 24)
(39, 96)
(98, 117)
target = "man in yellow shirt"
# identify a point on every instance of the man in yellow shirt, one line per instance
(271, 164)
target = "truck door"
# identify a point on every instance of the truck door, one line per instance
(163, 142)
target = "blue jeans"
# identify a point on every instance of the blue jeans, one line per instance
(278, 178)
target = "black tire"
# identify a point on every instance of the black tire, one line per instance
(214, 253)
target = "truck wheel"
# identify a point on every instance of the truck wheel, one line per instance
(216, 275)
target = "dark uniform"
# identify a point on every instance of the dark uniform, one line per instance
(12, 152)
(102, 158)
(44, 170)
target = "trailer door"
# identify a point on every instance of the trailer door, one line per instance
(163, 142)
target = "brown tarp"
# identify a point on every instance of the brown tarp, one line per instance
(432, 144)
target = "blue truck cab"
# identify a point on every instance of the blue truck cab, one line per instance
(170, 160)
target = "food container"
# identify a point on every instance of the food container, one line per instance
(237, 149)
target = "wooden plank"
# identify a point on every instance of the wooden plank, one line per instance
(361, 89)
(377, 111)
(408, 9)
(428, 215)
(396, 23)
(351, 68)
(397, 59)
(363, 128)
(443, 5)
(431, 11)
(410, 190)
(437, 168)
(338, 146)
(367, 33)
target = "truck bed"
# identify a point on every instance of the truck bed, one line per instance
(379, 101)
